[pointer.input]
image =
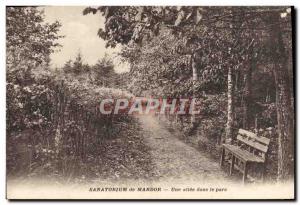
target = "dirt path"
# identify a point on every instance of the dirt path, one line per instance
(175, 160)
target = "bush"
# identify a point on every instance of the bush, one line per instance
(51, 118)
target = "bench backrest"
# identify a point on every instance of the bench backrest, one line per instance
(256, 145)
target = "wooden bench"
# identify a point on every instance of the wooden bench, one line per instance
(249, 149)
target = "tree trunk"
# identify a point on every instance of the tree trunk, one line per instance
(230, 86)
(195, 79)
(285, 127)
(230, 120)
(285, 115)
(247, 98)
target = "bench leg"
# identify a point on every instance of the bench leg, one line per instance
(232, 165)
(263, 172)
(222, 156)
(245, 172)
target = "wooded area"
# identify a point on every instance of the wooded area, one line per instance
(236, 61)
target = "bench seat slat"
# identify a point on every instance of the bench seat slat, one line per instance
(243, 154)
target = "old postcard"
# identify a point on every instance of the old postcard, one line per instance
(150, 102)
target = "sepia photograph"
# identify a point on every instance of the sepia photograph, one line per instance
(150, 102)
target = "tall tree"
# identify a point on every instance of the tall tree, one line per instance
(78, 64)
(32, 43)
(285, 114)
(247, 92)
(104, 71)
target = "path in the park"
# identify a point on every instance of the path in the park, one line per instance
(174, 159)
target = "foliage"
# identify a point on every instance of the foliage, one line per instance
(128, 23)
(103, 72)
(52, 116)
(217, 40)
(33, 42)
(155, 67)
(60, 113)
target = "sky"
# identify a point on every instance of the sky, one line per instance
(80, 33)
